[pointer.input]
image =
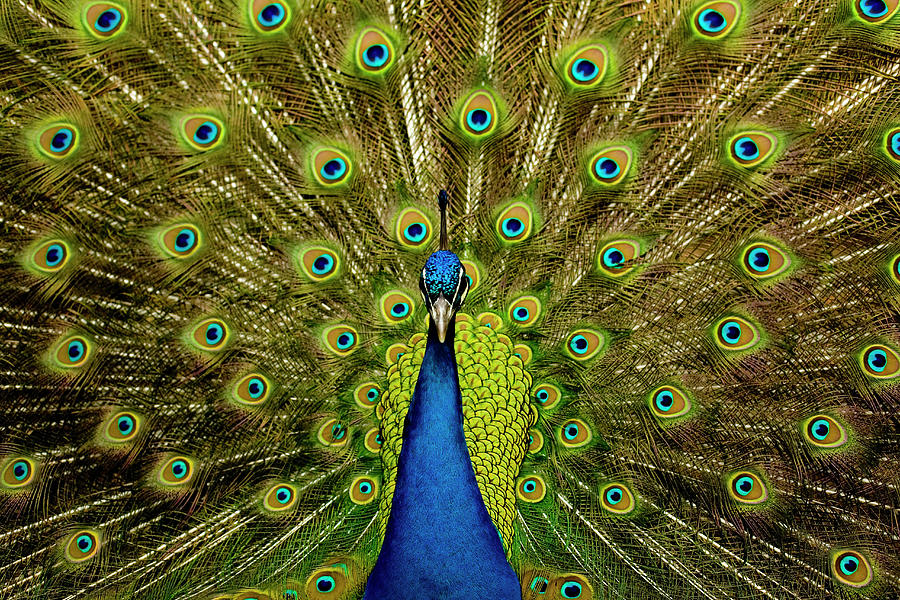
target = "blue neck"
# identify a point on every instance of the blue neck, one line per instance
(440, 541)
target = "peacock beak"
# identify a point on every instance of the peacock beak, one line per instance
(441, 315)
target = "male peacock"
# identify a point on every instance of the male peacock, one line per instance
(676, 366)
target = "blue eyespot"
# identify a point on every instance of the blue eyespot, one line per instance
(584, 70)
(820, 429)
(529, 486)
(214, 333)
(365, 487)
(578, 344)
(372, 394)
(743, 485)
(108, 20)
(877, 360)
(478, 119)
(185, 240)
(512, 226)
(664, 400)
(125, 424)
(521, 314)
(613, 258)
(62, 139)
(325, 583)
(415, 232)
(849, 565)
(731, 332)
(333, 169)
(272, 15)
(614, 495)
(75, 351)
(759, 259)
(256, 387)
(338, 431)
(84, 543)
(712, 21)
(179, 469)
(345, 340)
(55, 254)
(206, 132)
(376, 55)
(322, 264)
(542, 396)
(607, 168)
(895, 143)
(873, 8)
(571, 589)
(20, 470)
(283, 495)
(746, 149)
(400, 309)
(571, 431)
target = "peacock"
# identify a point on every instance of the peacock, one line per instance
(538, 299)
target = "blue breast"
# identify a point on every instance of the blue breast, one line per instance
(440, 541)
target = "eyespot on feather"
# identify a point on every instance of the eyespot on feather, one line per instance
(58, 141)
(617, 499)
(715, 20)
(18, 472)
(104, 20)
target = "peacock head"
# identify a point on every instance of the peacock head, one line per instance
(444, 287)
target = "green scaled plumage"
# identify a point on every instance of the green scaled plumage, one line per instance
(680, 221)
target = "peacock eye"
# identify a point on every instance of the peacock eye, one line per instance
(575, 433)
(333, 433)
(180, 241)
(72, 352)
(747, 488)
(373, 441)
(121, 427)
(341, 339)
(714, 20)
(546, 395)
(202, 132)
(104, 20)
(363, 490)
(823, 431)
(210, 335)
(280, 497)
(252, 389)
(318, 264)
(525, 311)
(876, 11)
(17, 473)
(751, 148)
(892, 140)
(584, 344)
(58, 141)
(531, 489)
(586, 68)
(413, 229)
(571, 586)
(610, 165)
(851, 568)
(669, 402)
(736, 333)
(82, 546)
(269, 16)
(880, 362)
(374, 52)
(367, 394)
(51, 256)
(396, 307)
(331, 167)
(479, 114)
